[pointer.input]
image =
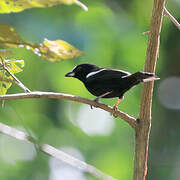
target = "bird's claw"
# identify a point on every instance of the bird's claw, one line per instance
(114, 111)
(95, 100)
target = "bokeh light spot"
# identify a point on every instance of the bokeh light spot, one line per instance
(95, 122)
(169, 93)
(13, 150)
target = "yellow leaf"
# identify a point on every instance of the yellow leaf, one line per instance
(50, 50)
(14, 66)
(8, 6)
(9, 36)
(59, 50)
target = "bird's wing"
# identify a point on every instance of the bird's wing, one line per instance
(106, 77)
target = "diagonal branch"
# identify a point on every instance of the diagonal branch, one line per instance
(50, 150)
(170, 16)
(129, 119)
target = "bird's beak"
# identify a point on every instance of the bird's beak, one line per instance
(70, 74)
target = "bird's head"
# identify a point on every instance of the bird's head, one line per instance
(81, 71)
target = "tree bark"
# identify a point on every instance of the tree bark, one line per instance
(144, 125)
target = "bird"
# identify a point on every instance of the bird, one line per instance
(107, 82)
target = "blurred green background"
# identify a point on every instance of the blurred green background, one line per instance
(110, 34)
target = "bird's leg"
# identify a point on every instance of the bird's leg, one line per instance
(115, 107)
(97, 99)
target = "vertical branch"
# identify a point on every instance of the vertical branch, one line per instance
(144, 126)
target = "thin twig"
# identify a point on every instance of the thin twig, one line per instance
(53, 152)
(146, 32)
(169, 15)
(83, 6)
(129, 119)
(18, 82)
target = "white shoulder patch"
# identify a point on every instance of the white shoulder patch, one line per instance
(95, 72)
(125, 76)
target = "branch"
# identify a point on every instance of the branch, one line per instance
(144, 125)
(83, 6)
(50, 150)
(129, 119)
(167, 13)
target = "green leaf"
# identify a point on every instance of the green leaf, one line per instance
(8, 6)
(50, 50)
(6, 80)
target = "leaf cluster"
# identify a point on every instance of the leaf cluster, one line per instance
(49, 50)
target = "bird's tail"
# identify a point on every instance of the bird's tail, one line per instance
(144, 76)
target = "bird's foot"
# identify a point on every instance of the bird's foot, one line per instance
(114, 111)
(95, 100)
(115, 108)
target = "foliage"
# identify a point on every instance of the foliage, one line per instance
(49, 50)
(12, 66)
(8, 6)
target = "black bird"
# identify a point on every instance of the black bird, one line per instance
(108, 83)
